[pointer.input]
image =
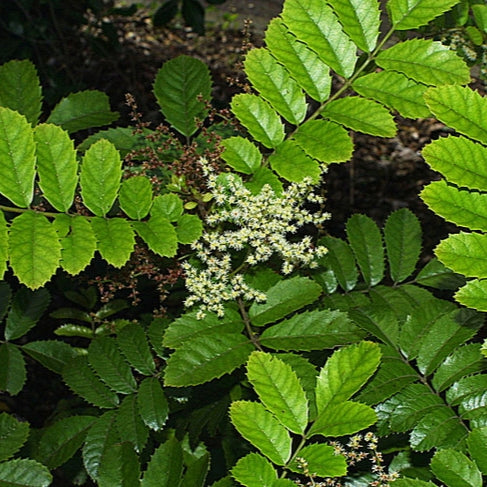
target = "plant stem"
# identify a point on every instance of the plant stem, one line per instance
(248, 325)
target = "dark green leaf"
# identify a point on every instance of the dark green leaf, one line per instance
(13, 434)
(165, 467)
(52, 354)
(24, 473)
(153, 405)
(130, 426)
(132, 341)
(341, 260)
(12, 369)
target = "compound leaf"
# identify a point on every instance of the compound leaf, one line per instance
(241, 154)
(136, 197)
(52, 354)
(455, 469)
(14, 434)
(321, 460)
(189, 228)
(254, 470)
(78, 246)
(341, 260)
(132, 341)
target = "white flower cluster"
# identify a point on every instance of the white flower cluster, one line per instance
(258, 224)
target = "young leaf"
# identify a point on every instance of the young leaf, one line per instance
(315, 24)
(82, 110)
(279, 389)
(402, 235)
(130, 426)
(321, 460)
(101, 171)
(57, 165)
(12, 369)
(136, 197)
(132, 341)
(304, 65)
(52, 354)
(177, 86)
(23, 472)
(257, 116)
(17, 152)
(20, 89)
(254, 470)
(262, 429)
(477, 447)
(78, 246)
(159, 235)
(425, 61)
(165, 467)
(115, 239)
(241, 154)
(361, 115)
(152, 403)
(275, 85)
(13, 433)
(455, 469)
(283, 298)
(189, 228)
(341, 260)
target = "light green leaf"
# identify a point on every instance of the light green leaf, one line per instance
(35, 251)
(315, 24)
(168, 206)
(153, 405)
(165, 467)
(345, 372)
(262, 429)
(14, 434)
(310, 137)
(425, 61)
(410, 14)
(455, 469)
(3, 245)
(341, 260)
(304, 65)
(132, 341)
(279, 389)
(395, 91)
(115, 239)
(189, 228)
(241, 154)
(321, 460)
(260, 178)
(473, 295)
(177, 87)
(461, 108)
(23, 472)
(361, 115)
(360, 20)
(407, 482)
(136, 197)
(283, 298)
(477, 447)
(159, 235)
(275, 85)
(57, 165)
(460, 160)
(291, 163)
(12, 369)
(402, 235)
(257, 116)
(101, 171)
(60, 441)
(20, 89)
(17, 156)
(254, 470)
(130, 426)
(120, 466)
(52, 354)
(83, 110)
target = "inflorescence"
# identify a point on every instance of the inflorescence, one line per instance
(256, 224)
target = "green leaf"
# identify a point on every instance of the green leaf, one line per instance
(461, 108)
(189, 228)
(455, 469)
(477, 447)
(345, 372)
(275, 85)
(473, 295)
(321, 460)
(79, 246)
(366, 242)
(12, 369)
(315, 24)
(130, 426)
(395, 91)
(132, 341)
(254, 470)
(435, 274)
(311, 330)
(136, 197)
(257, 116)
(153, 405)
(291, 163)
(165, 467)
(159, 235)
(410, 14)
(361, 115)
(283, 298)
(3, 245)
(23, 472)
(341, 260)
(460, 160)
(61, 440)
(465, 388)
(101, 171)
(205, 358)
(52, 354)
(311, 134)
(241, 154)
(177, 86)
(260, 178)
(57, 165)
(304, 65)
(425, 61)
(360, 20)
(120, 466)
(262, 429)
(168, 206)
(82, 380)
(197, 471)
(35, 251)
(279, 389)
(406, 482)
(82, 110)
(402, 235)
(26, 309)
(20, 89)
(17, 153)
(115, 239)
(13, 433)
